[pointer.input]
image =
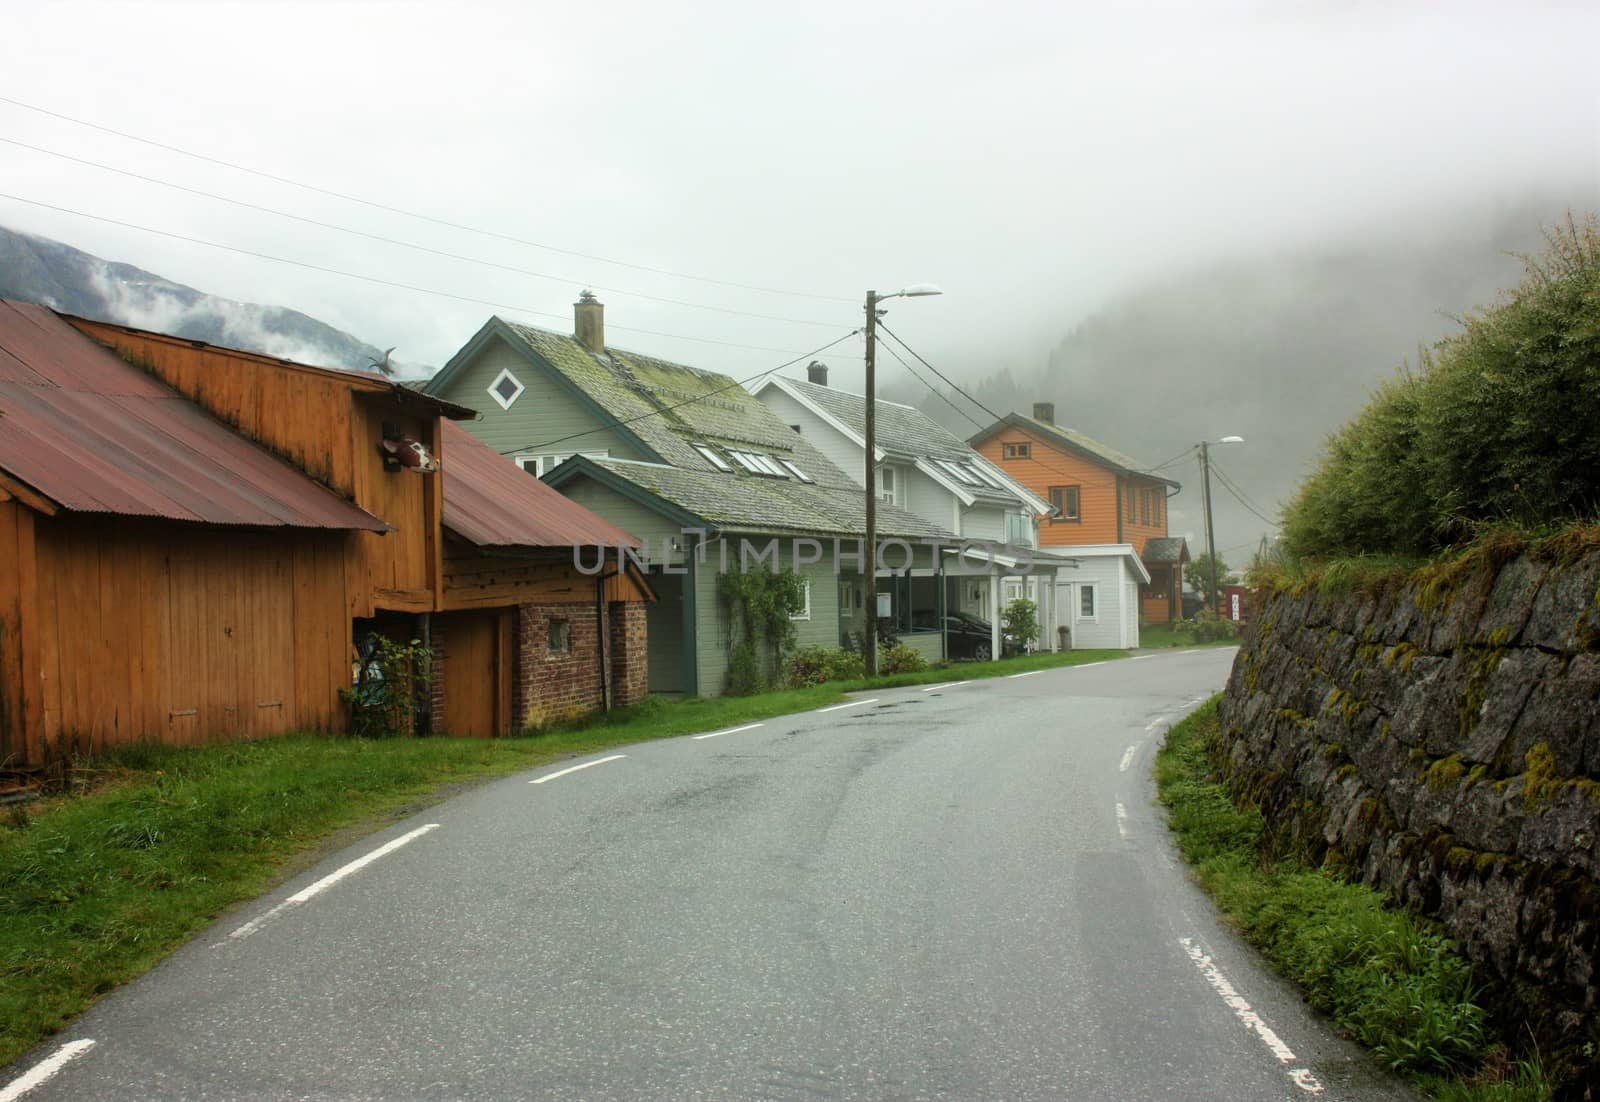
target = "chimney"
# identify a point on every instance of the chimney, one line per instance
(817, 372)
(589, 322)
(1044, 412)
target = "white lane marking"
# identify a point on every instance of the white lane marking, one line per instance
(576, 768)
(1300, 1077)
(1140, 657)
(729, 731)
(1122, 821)
(1157, 722)
(1195, 651)
(45, 1070)
(1024, 673)
(329, 881)
(1127, 758)
(849, 704)
(945, 685)
(1087, 666)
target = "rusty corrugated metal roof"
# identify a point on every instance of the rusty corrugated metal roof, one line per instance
(94, 434)
(492, 502)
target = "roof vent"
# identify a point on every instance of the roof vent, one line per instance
(817, 372)
(589, 322)
(1044, 412)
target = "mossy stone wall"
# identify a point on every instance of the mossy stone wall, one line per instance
(1440, 739)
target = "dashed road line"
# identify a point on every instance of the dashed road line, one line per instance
(1122, 821)
(729, 731)
(328, 881)
(1300, 1077)
(45, 1070)
(1157, 722)
(1140, 657)
(1087, 665)
(1195, 651)
(575, 768)
(1127, 758)
(945, 685)
(1024, 673)
(848, 704)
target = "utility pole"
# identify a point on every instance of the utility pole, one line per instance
(870, 544)
(1211, 539)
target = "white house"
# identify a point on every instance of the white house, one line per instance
(925, 469)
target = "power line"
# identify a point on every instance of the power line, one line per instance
(407, 244)
(937, 392)
(1239, 497)
(409, 213)
(688, 402)
(1234, 488)
(939, 373)
(373, 279)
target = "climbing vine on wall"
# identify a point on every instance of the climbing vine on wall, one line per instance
(759, 604)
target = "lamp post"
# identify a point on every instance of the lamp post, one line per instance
(870, 543)
(1205, 496)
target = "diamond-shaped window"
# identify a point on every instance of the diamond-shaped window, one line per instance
(505, 389)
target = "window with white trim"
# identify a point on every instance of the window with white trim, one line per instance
(756, 463)
(541, 465)
(961, 472)
(886, 486)
(506, 389)
(805, 602)
(1086, 606)
(796, 471)
(710, 456)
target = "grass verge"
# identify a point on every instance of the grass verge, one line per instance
(96, 888)
(1385, 977)
(1162, 636)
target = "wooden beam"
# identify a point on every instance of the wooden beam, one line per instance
(35, 501)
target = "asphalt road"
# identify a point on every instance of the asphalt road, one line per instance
(965, 892)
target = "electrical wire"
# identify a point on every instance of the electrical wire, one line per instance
(1233, 487)
(895, 337)
(979, 425)
(1237, 496)
(738, 383)
(568, 280)
(374, 204)
(374, 279)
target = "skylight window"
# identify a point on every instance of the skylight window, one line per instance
(796, 471)
(987, 476)
(712, 457)
(961, 472)
(756, 463)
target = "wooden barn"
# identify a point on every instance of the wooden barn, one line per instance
(192, 538)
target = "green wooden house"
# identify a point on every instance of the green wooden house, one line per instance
(704, 473)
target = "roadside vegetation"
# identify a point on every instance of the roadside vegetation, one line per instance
(1385, 977)
(1202, 631)
(146, 846)
(1493, 428)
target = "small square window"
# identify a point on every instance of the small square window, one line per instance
(1017, 451)
(506, 389)
(560, 639)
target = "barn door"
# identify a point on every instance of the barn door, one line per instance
(476, 672)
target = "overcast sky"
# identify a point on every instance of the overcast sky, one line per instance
(1034, 160)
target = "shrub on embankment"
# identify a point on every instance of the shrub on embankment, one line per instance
(1497, 425)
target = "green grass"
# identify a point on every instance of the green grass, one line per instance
(96, 888)
(1162, 636)
(1388, 979)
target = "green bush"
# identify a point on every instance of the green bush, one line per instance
(1020, 621)
(817, 665)
(900, 658)
(1496, 427)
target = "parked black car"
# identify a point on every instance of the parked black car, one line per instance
(966, 635)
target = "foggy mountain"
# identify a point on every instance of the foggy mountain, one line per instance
(37, 269)
(1279, 349)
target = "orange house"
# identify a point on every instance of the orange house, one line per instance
(1099, 496)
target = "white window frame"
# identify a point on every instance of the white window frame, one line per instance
(544, 464)
(796, 471)
(805, 610)
(1094, 602)
(709, 454)
(888, 486)
(494, 392)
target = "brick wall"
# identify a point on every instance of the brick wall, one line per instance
(630, 661)
(553, 685)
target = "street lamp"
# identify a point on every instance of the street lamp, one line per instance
(1211, 540)
(915, 290)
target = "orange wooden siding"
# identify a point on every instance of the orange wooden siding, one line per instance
(167, 632)
(1102, 493)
